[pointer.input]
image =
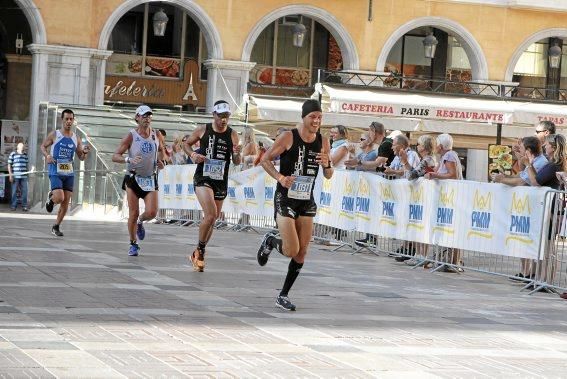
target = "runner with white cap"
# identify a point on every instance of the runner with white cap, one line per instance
(218, 143)
(145, 154)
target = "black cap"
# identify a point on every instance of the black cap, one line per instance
(309, 106)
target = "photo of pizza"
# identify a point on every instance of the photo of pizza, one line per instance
(495, 151)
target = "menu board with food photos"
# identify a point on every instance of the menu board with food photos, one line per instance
(500, 159)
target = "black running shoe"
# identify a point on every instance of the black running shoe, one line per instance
(49, 203)
(284, 303)
(55, 231)
(264, 250)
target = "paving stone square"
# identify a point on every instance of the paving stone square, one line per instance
(79, 306)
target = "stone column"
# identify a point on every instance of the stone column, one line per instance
(64, 74)
(227, 80)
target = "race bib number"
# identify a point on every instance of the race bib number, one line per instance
(146, 183)
(301, 188)
(214, 169)
(65, 168)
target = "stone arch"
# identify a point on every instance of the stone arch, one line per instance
(538, 36)
(479, 66)
(34, 19)
(330, 22)
(205, 23)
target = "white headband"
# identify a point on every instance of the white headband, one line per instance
(221, 108)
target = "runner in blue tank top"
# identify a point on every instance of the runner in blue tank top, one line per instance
(59, 149)
(146, 151)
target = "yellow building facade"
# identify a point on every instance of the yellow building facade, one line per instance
(67, 56)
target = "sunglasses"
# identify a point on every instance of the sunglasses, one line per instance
(223, 115)
(539, 131)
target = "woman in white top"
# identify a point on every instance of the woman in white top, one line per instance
(339, 148)
(250, 150)
(449, 168)
(178, 155)
(449, 162)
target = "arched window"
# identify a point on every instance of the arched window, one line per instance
(536, 76)
(407, 59)
(139, 52)
(280, 63)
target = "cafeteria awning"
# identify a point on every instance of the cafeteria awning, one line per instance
(411, 112)
(425, 107)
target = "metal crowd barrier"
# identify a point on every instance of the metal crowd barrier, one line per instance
(548, 274)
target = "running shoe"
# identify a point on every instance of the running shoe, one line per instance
(198, 260)
(265, 249)
(134, 250)
(284, 303)
(55, 231)
(140, 231)
(49, 203)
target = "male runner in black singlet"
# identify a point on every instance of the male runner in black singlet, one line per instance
(218, 143)
(301, 151)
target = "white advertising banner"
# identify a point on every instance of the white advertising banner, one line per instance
(485, 217)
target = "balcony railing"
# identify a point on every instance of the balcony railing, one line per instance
(390, 81)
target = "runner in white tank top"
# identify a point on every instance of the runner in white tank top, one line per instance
(145, 154)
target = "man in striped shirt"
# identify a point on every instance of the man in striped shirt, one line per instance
(17, 168)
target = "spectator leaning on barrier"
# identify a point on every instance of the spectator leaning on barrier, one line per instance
(367, 151)
(554, 149)
(425, 147)
(340, 146)
(385, 154)
(542, 130)
(529, 146)
(449, 168)
(249, 151)
(178, 155)
(17, 168)
(400, 146)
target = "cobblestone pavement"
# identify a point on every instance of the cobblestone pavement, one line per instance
(80, 307)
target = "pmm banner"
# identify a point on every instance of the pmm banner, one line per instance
(485, 217)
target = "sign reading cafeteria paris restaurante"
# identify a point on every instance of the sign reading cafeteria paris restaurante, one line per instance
(430, 112)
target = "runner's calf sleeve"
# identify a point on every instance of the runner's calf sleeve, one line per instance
(292, 273)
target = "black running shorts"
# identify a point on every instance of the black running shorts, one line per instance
(219, 187)
(130, 182)
(291, 208)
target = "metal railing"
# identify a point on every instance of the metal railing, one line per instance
(397, 82)
(96, 185)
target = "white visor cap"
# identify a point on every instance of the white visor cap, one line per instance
(221, 108)
(142, 110)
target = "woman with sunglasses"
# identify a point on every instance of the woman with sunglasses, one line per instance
(555, 150)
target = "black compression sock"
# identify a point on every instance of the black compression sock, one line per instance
(292, 273)
(276, 243)
(202, 246)
(133, 242)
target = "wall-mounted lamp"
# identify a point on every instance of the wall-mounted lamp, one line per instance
(429, 45)
(299, 30)
(554, 56)
(160, 22)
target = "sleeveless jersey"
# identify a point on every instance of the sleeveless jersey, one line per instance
(217, 146)
(147, 148)
(63, 152)
(300, 159)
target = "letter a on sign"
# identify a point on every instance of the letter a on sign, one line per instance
(190, 93)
